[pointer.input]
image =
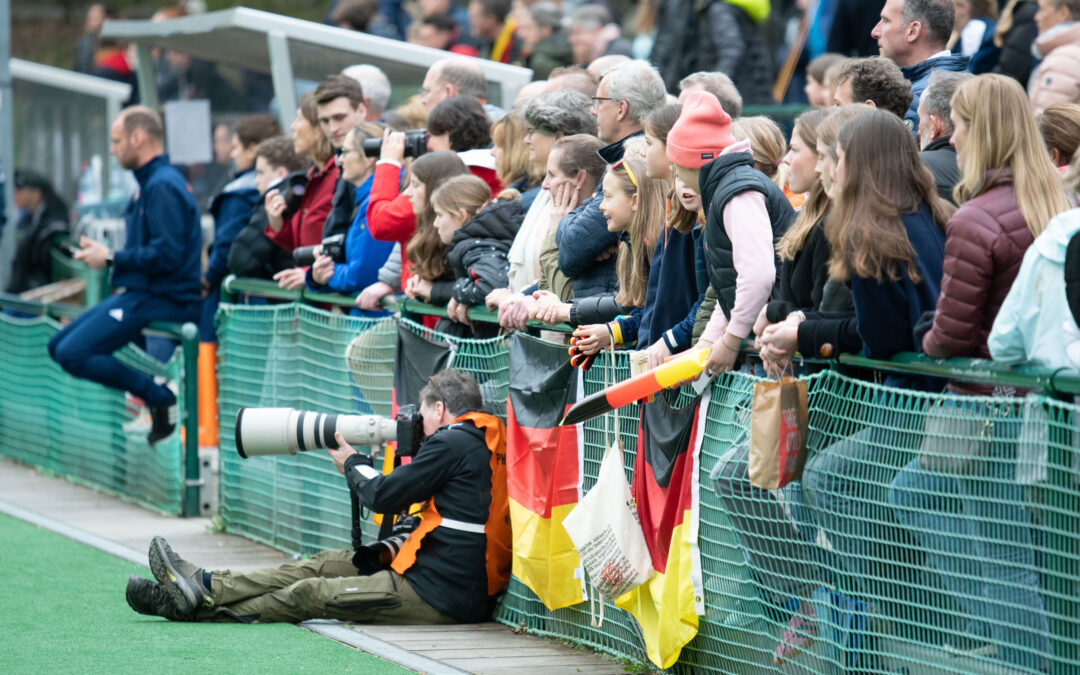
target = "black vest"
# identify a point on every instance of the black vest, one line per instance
(720, 180)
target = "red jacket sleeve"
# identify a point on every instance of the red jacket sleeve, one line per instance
(315, 207)
(390, 215)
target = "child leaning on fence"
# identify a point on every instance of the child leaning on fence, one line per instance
(478, 233)
(744, 213)
(633, 206)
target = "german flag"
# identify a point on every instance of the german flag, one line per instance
(665, 489)
(543, 469)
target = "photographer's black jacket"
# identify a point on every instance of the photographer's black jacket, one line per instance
(458, 560)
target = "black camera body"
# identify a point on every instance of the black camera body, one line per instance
(292, 189)
(415, 144)
(410, 430)
(333, 246)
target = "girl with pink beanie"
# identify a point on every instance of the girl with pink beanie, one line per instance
(745, 213)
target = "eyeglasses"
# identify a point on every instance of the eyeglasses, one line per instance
(596, 100)
(626, 167)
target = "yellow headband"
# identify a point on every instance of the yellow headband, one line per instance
(626, 166)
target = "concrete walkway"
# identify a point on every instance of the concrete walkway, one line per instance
(125, 530)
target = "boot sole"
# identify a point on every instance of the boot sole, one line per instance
(186, 597)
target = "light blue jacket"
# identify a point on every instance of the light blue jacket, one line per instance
(1029, 327)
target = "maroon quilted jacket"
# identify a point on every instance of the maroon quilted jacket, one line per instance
(985, 242)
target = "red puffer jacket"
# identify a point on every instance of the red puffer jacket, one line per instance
(985, 242)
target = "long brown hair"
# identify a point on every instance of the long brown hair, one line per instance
(883, 178)
(1001, 133)
(322, 151)
(425, 251)
(817, 202)
(646, 227)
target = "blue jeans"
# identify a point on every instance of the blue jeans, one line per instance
(977, 534)
(85, 346)
(845, 487)
(780, 551)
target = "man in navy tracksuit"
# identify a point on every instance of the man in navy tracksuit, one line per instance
(158, 271)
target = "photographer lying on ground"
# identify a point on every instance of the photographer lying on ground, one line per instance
(452, 568)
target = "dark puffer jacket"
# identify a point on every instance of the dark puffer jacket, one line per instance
(478, 251)
(712, 35)
(985, 242)
(1016, 58)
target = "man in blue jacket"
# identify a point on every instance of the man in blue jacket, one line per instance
(913, 33)
(158, 270)
(586, 247)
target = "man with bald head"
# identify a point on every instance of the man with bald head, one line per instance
(158, 269)
(457, 76)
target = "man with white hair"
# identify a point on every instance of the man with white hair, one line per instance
(623, 99)
(457, 76)
(376, 86)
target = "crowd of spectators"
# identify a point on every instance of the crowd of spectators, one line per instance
(924, 203)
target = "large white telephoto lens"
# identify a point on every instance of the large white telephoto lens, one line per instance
(280, 431)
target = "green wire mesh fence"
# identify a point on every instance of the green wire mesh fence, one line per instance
(82, 431)
(957, 554)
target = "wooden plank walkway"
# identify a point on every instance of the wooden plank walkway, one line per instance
(486, 649)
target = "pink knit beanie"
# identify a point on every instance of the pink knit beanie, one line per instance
(701, 132)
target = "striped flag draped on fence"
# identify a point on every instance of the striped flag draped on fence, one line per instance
(543, 469)
(665, 489)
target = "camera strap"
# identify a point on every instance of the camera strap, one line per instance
(355, 509)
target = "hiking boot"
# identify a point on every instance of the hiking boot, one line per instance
(150, 598)
(182, 580)
(162, 423)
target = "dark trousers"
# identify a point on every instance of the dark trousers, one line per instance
(84, 348)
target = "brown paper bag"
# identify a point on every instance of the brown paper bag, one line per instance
(778, 424)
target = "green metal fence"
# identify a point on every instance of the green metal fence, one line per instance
(957, 555)
(82, 431)
(961, 567)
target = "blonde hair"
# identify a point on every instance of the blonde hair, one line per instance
(462, 193)
(1001, 134)
(513, 164)
(413, 112)
(646, 227)
(766, 144)
(817, 202)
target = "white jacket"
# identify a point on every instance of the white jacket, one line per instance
(1028, 327)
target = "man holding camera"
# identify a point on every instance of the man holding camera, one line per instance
(451, 568)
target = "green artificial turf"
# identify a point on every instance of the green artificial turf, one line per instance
(62, 609)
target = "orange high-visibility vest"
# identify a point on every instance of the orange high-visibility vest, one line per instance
(497, 527)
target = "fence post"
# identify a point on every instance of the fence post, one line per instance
(189, 334)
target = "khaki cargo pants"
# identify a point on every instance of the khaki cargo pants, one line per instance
(324, 587)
